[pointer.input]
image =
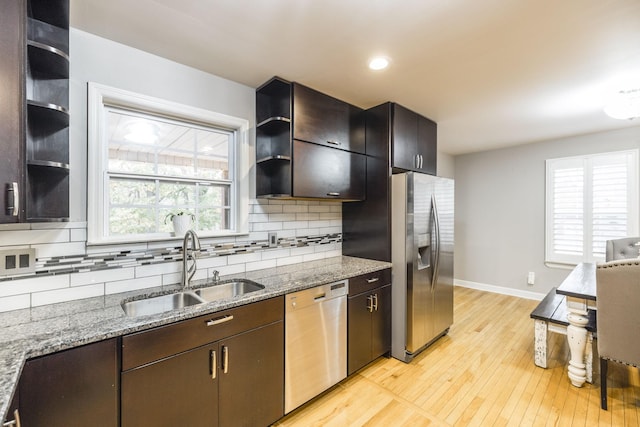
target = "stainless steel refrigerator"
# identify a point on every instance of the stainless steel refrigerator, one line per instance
(422, 257)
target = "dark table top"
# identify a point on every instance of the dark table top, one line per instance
(580, 283)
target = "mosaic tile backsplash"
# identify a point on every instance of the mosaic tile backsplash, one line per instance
(66, 269)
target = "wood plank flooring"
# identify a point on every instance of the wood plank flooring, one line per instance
(480, 374)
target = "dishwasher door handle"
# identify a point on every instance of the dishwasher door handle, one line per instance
(319, 298)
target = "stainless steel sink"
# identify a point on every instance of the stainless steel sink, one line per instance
(228, 289)
(160, 304)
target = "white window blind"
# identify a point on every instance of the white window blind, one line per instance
(590, 199)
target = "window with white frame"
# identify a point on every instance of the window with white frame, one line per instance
(151, 158)
(589, 200)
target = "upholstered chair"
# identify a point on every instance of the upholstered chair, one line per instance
(626, 248)
(618, 316)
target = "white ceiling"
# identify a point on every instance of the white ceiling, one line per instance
(492, 73)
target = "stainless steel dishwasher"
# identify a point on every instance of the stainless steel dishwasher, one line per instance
(315, 342)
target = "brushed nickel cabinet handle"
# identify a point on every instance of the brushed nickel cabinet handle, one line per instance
(333, 193)
(213, 364)
(13, 199)
(370, 303)
(15, 422)
(334, 143)
(375, 302)
(220, 320)
(373, 280)
(225, 359)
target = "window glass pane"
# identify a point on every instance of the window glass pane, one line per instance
(179, 195)
(214, 219)
(137, 220)
(132, 192)
(214, 195)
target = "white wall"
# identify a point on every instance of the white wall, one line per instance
(500, 210)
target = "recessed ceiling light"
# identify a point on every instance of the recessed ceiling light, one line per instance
(379, 63)
(624, 105)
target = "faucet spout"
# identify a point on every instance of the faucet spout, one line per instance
(190, 245)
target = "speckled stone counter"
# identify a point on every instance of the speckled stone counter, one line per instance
(43, 330)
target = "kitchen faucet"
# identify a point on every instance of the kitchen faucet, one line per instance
(188, 272)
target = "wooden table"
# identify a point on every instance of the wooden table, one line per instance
(580, 290)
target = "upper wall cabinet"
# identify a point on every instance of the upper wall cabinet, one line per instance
(325, 120)
(413, 140)
(34, 151)
(47, 119)
(308, 145)
(11, 105)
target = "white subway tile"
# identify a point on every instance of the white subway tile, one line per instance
(216, 261)
(267, 209)
(258, 236)
(275, 253)
(319, 224)
(15, 302)
(307, 232)
(78, 234)
(171, 279)
(334, 253)
(266, 226)
(337, 208)
(282, 217)
(243, 258)
(10, 227)
(313, 257)
(281, 202)
(297, 209)
(132, 284)
(329, 215)
(34, 284)
(261, 217)
(58, 225)
(156, 269)
(61, 295)
(252, 266)
(34, 237)
(307, 216)
(286, 234)
(101, 276)
(60, 249)
(289, 260)
(302, 250)
(291, 225)
(232, 269)
(319, 208)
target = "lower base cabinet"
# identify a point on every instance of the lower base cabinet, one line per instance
(369, 319)
(236, 380)
(76, 387)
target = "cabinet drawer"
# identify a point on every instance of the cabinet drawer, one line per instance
(366, 282)
(146, 346)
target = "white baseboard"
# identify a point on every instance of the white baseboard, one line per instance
(499, 289)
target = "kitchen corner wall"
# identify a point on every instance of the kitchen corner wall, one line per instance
(67, 269)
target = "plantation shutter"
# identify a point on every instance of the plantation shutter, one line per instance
(590, 199)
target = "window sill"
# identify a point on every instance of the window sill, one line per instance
(137, 240)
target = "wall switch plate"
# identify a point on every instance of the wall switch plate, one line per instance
(273, 239)
(17, 261)
(531, 278)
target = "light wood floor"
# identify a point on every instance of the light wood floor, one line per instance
(480, 374)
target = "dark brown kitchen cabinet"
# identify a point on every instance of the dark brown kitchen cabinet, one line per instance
(325, 120)
(413, 140)
(11, 104)
(398, 140)
(295, 123)
(369, 319)
(223, 369)
(76, 387)
(34, 126)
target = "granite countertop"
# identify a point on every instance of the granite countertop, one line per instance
(43, 330)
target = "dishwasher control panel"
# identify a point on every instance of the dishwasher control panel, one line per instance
(315, 295)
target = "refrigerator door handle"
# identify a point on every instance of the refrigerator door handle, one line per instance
(436, 249)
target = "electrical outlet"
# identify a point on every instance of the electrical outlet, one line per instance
(273, 239)
(17, 261)
(531, 278)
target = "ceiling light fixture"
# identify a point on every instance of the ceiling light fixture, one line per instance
(379, 63)
(624, 105)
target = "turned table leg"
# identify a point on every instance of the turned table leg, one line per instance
(577, 337)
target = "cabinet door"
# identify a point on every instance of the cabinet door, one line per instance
(181, 390)
(323, 172)
(322, 119)
(251, 373)
(404, 138)
(381, 323)
(427, 145)
(359, 332)
(77, 387)
(11, 83)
